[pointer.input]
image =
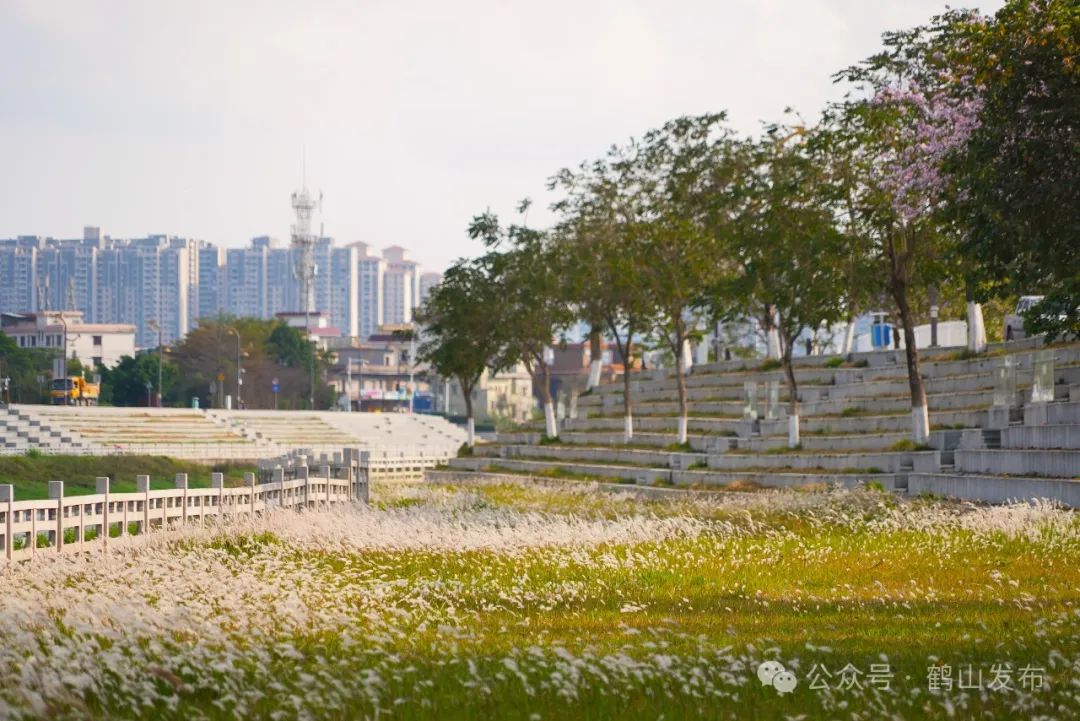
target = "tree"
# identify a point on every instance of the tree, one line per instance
(125, 383)
(269, 349)
(534, 309)
(1018, 174)
(913, 114)
(462, 328)
(603, 258)
(790, 252)
(681, 178)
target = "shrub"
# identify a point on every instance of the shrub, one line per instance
(33, 453)
(19, 542)
(43, 541)
(906, 444)
(770, 365)
(550, 441)
(133, 528)
(90, 534)
(465, 451)
(69, 535)
(834, 362)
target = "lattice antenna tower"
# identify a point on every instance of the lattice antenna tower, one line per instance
(304, 205)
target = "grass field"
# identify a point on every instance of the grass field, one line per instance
(31, 474)
(559, 602)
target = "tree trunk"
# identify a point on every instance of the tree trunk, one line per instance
(920, 419)
(596, 354)
(470, 424)
(680, 379)
(626, 351)
(551, 426)
(849, 336)
(793, 392)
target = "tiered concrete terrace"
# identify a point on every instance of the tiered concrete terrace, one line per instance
(855, 426)
(219, 435)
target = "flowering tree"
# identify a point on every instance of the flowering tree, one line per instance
(915, 111)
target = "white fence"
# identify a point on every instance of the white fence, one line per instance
(83, 522)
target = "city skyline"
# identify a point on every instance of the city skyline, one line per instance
(193, 119)
(174, 281)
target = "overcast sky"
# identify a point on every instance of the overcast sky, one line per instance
(191, 117)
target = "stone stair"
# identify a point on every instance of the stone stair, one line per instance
(855, 428)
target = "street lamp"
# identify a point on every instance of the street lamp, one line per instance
(239, 370)
(154, 325)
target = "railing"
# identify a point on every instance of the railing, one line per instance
(90, 521)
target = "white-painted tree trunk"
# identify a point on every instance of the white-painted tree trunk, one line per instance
(793, 431)
(920, 425)
(682, 429)
(628, 429)
(772, 349)
(470, 430)
(688, 356)
(594, 373)
(849, 337)
(550, 425)
(976, 328)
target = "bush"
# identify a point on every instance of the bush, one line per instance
(33, 453)
(465, 451)
(19, 542)
(90, 534)
(43, 541)
(770, 365)
(550, 441)
(69, 535)
(906, 444)
(834, 362)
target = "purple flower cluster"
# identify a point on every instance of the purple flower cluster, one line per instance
(934, 124)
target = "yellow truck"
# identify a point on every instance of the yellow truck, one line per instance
(75, 391)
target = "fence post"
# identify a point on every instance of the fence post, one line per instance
(56, 492)
(142, 485)
(249, 483)
(324, 471)
(217, 480)
(363, 470)
(302, 472)
(180, 483)
(7, 497)
(277, 475)
(347, 463)
(101, 484)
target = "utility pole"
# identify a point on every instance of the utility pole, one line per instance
(412, 365)
(239, 369)
(63, 322)
(160, 350)
(348, 384)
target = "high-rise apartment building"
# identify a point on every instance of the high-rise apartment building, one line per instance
(400, 286)
(427, 281)
(370, 270)
(174, 281)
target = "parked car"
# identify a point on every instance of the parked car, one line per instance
(1014, 322)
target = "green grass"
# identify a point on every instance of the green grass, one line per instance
(31, 474)
(581, 623)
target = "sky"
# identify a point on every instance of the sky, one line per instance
(199, 118)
